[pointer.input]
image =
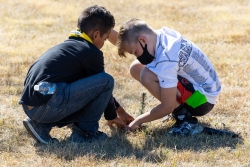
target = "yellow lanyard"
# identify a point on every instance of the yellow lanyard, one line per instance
(76, 33)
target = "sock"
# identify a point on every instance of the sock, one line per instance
(181, 113)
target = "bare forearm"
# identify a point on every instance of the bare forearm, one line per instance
(156, 113)
(113, 36)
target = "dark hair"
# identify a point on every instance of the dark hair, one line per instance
(130, 32)
(95, 18)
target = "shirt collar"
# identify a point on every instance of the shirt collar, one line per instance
(76, 33)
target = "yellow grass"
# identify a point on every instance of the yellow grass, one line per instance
(220, 28)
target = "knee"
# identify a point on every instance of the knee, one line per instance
(109, 79)
(135, 69)
(134, 73)
(147, 77)
(144, 79)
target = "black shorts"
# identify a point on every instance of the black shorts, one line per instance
(192, 99)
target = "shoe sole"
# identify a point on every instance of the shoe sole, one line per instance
(32, 131)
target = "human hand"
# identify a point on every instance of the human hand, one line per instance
(119, 123)
(124, 116)
(113, 36)
(134, 125)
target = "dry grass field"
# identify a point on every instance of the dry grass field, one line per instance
(220, 28)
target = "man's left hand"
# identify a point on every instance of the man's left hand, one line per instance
(119, 123)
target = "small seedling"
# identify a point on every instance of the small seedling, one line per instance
(142, 107)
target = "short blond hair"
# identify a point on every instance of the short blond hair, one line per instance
(130, 32)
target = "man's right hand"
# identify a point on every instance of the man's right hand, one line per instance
(124, 116)
(119, 123)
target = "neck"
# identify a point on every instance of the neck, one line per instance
(153, 39)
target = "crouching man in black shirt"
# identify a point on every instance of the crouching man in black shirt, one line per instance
(83, 89)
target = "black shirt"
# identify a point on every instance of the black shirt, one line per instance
(67, 62)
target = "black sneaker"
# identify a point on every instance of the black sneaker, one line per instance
(175, 127)
(186, 127)
(81, 136)
(39, 131)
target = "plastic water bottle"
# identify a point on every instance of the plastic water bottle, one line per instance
(45, 88)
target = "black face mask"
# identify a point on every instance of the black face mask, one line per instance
(146, 57)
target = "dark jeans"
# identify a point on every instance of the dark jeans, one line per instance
(83, 101)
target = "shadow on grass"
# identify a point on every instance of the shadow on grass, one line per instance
(146, 145)
(199, 143)
(115, 146)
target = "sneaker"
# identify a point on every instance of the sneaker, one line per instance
(39, 131)
(186, 128)
(175, 127)
(81, 136)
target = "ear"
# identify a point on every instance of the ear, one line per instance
(142, 39)
(95, 34)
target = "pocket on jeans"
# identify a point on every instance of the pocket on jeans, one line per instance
(60, 97)
(52, 114)
(32, 112)
(56, 100)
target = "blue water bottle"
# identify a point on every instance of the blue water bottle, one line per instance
(45, 88)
